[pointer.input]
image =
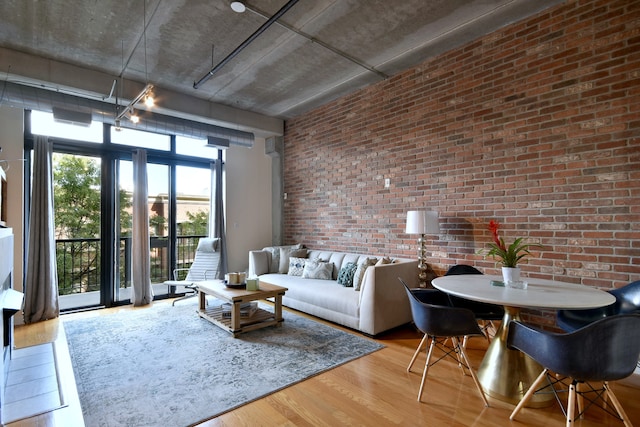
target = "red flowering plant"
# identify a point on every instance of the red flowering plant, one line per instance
(509, 255)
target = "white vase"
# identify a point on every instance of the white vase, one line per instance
(510, 274)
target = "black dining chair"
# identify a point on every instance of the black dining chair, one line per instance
(627, 302)
(439, 322)
(485, 313)
(603, 351)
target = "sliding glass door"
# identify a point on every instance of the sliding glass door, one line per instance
(193, 202)
(76, 192)
(93, 192)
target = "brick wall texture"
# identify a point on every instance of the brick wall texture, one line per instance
(536, 126)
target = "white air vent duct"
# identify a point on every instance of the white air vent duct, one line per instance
(33, 98)
(217, 142)
(70, 116)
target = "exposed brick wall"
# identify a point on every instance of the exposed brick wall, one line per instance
(536, 125)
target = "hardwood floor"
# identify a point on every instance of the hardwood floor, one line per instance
(372, 390)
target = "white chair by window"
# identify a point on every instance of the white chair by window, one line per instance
(205, 266)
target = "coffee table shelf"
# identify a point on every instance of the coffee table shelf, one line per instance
(215, 315)
(237, 324)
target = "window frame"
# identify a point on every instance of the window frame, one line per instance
(110, 153)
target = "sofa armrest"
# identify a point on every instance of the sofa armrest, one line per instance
(258, 263)
(383, 300)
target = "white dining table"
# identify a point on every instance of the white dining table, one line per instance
(506, 374)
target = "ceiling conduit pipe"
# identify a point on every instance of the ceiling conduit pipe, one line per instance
(320, 43)
(245, 43)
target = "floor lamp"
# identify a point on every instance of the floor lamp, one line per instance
(422, 222)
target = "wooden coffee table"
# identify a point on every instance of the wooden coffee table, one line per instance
(237, 324)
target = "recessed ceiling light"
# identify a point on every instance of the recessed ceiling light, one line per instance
(238, 6)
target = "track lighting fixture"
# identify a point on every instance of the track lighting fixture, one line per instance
(146, 95)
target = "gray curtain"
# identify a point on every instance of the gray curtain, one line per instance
(140, 251)
(41, 283)
(216, 216)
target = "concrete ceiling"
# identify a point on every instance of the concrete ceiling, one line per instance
(317, 51)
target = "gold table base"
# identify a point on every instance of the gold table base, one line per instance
(507, 374)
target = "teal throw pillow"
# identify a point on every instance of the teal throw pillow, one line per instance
(345, 276)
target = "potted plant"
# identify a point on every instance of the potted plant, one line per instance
(508, 256)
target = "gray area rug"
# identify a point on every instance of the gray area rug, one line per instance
(165, 366)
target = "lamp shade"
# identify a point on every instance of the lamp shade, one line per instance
(422, 222)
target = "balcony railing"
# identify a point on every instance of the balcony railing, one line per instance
(78, 262)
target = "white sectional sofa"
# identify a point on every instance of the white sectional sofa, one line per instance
(378, 304)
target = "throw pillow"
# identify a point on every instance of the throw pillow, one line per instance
(208, 244)
(316, 269)
(259, 263)
(345, 276)
(384, 260)
(363, 264)
(286, 253)
(296, 266)
(275, 258)
(275, 255)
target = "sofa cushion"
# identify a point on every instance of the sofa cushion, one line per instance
(285, 254)
(326, 294)
(322, 255)
(336, 258)
(350, 258)
(345, 276)
(316, 269)
(296, 266)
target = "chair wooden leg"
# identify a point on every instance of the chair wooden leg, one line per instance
(605, 397)
(456, 345)
(426, 368)
(415, 355)
(473, 374)
(484, 327)
(529, 393)
(579, 400)
(571, 404)
(617, 405)
(464, 345)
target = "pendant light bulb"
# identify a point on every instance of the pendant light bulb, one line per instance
(149, 101)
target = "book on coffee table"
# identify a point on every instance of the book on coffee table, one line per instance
(246, 309)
